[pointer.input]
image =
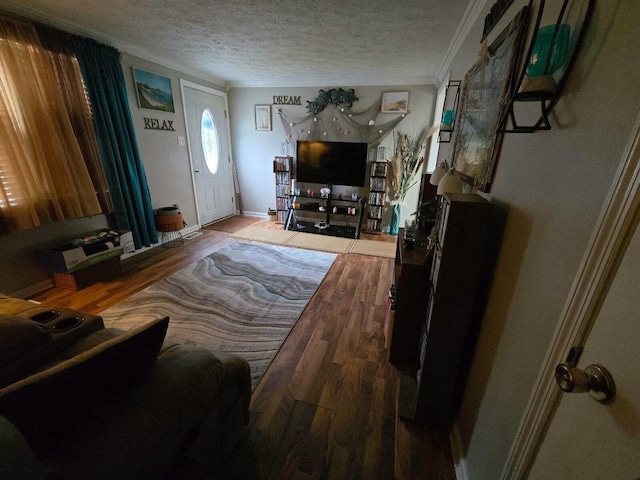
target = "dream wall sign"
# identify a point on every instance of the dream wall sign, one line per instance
(286, 100)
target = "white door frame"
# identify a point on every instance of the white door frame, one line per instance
(599, 265)
(184, 84)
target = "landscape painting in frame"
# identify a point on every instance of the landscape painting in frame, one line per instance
(153, 91)
(395, 102)
(484, 104)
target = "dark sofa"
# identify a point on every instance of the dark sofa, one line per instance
(80, 401)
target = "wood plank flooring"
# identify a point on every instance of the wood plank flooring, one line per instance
(326, 407)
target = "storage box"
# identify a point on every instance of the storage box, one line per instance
(84, 277)
(70, 255)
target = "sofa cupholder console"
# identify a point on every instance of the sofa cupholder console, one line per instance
(46, 316)
(59, 322)
(67, 324)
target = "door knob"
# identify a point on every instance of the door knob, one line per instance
(197, 171)
(594, 379)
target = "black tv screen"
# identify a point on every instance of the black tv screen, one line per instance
(335, 163)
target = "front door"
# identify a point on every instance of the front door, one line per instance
(210, 154)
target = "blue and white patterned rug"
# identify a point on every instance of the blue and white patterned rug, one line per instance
(244, 299)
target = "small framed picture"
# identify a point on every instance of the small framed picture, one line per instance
(395, 102)
(263, 117)
(381, 155)
(153, 91)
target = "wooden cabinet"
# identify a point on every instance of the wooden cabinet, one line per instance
(411, 281)
(282, 171)
(456, 297)
(377, 194)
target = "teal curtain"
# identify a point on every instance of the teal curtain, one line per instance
(102, 73)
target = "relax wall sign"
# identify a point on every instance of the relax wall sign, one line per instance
(155, 124)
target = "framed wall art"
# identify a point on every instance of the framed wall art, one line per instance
(263, 117)
(394, 102)
(484, 103)
(153, 91)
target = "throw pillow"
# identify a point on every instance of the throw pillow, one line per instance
(46, 406)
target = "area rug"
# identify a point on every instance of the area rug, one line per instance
(262, 234)
(374, 248)
(314, 241)
(323, 243)
(244, 299)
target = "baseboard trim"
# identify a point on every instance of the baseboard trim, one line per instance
(458, 453)
(32, 290)
(254, 214)
(184, 231)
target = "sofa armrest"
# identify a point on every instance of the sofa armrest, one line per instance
(17, 461)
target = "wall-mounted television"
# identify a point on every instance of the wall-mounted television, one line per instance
(335, 163)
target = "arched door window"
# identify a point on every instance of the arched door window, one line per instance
(209, 135)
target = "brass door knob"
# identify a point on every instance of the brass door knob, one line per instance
(594, 379)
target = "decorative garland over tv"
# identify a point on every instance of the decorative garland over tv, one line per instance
(335, 163)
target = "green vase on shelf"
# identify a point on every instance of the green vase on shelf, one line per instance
(395, 219)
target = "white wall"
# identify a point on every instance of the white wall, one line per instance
(254, 150)
(165, 161)
(551, 186)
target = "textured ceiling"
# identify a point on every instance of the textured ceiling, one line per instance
(270, 42)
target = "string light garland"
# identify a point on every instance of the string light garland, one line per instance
(350, 126)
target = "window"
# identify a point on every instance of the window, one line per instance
(49, 161)
(209, 136)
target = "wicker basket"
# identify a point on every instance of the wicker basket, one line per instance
(89, 275)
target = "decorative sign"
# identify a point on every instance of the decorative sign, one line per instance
(286, 100)
(155, 124)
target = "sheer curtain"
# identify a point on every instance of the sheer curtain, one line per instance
(102, 73)
(43, 167)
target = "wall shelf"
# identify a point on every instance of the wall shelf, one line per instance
(449, 111)
(544, 73)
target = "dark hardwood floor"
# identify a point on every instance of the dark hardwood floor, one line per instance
(326, 407)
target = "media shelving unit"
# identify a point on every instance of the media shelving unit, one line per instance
(282, 171)
(377, 194)
(332, 215)
(433, 342)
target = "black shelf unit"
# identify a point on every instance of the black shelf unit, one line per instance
(377, 196)
(282, 171)
(333, 215)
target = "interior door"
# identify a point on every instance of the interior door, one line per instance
(210, 154)
(588, 440)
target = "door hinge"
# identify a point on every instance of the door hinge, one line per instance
(225, 114)
(232, 199)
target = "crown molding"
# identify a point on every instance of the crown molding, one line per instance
(469, 19)
(125, 49)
